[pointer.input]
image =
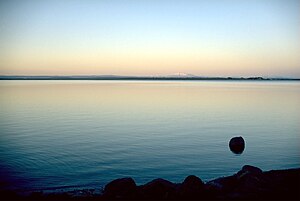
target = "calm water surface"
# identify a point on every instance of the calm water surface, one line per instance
(83, 134)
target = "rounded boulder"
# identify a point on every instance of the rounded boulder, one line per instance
(237, 145)
(124, 188)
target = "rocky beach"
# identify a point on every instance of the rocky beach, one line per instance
(250, 183)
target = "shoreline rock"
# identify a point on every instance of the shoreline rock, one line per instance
(248, 183)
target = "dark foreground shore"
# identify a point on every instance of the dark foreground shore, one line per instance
(250, 183)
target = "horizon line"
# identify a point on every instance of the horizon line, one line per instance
(133, 77)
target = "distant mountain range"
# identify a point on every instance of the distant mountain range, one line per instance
(176, 76)
(181, 75)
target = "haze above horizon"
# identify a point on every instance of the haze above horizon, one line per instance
(150, 38)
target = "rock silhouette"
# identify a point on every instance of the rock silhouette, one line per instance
(237, 145)
(250, 183)
(121, 188)
(192, 188)
(159, 189)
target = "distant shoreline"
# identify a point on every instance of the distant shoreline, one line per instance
(144, 78)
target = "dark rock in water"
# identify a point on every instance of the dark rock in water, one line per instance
(249, 170)
(237, 145)
(124, 188)
(253, 183)
(192, 188)
(219, 188)
(159, 189)
(250, 183)
(284, 184)
(240, 185)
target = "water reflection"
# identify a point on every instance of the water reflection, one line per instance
(86, 133)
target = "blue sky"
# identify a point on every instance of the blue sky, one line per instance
(217, 37)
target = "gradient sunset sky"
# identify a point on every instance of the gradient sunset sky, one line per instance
(150, 37)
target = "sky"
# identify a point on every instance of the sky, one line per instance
(150, 37)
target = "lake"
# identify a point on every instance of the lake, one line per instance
(83, 134)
